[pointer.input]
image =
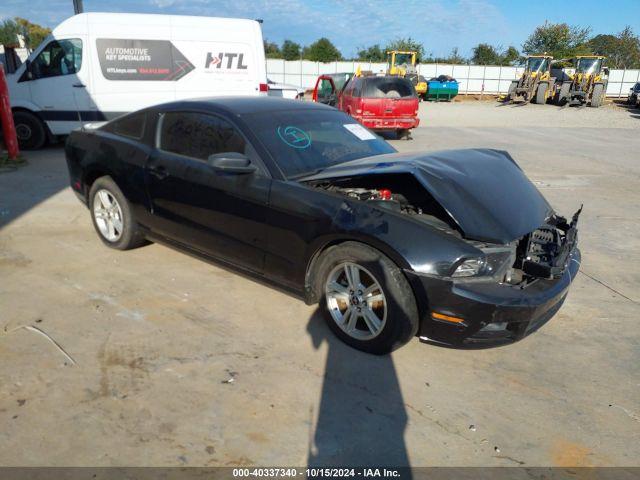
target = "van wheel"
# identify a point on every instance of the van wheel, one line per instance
(30, 130)
(112, 216)
(367, 300)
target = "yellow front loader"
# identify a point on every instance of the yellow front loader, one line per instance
(536, 84)
(404, 64)
(588, 85)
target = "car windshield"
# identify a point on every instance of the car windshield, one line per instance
(388, 87)
(303, 142)
(589, 65)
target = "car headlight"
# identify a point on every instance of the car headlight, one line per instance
(469, 268)
(494, 262)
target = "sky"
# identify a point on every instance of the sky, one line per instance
(439, 24)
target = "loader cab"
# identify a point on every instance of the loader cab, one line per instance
(401, 63)
(538, 65)
(589, 65)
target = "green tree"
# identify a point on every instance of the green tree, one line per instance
(9, 31)
(485, 54)
(622, 50)
(372, 54)
(33, 33)
(271, 50)
(557, 39)
(510, 56)
(322, 50)
(408, 45)
(290, 50)
(454, 58)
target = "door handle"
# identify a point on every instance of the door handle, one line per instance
(79, 85)
(159, 172)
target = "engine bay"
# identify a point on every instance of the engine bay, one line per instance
(399, 193)
(540, 254)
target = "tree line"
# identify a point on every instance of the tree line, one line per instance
(560, 40)
(32, 33)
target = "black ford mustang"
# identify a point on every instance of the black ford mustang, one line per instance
(457, 247)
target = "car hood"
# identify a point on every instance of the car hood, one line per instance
(484, 191)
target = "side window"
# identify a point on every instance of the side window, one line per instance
(357, 87)
(199, 135)
(59, 57)
(131, 126)
(326, 88)
(348, 91)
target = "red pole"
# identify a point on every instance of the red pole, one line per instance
(6, 118)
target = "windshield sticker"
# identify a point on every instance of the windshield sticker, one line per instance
(359, 131)
(294, 137)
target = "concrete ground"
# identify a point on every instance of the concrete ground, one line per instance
(152, 357)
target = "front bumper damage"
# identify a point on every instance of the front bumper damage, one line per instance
(484, 313)
(493, 314)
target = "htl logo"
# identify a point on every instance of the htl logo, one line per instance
(218, 61)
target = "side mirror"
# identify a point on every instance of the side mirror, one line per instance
(606, 71)
(231, 162)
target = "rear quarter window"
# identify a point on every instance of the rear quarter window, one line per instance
(199, 135)
(131, 126)
(387, 87)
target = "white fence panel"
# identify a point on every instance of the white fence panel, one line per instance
(489, 79)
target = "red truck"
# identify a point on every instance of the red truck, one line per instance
(385, 103)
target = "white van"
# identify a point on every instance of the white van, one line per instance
(96, 66)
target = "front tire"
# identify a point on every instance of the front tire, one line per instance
(541, 94)
(30, 131)
(367, 300)
(598, 95)
(511, 91)
(563, 96)
(112, 217)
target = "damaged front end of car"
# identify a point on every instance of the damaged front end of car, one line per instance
(524, 255)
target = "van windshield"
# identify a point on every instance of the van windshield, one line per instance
(387, 87)
(303, 142)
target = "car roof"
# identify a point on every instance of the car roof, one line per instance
(242, 105)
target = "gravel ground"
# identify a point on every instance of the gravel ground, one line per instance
(490, 113)
(180, 362)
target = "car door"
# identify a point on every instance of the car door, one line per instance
(346, 99)
(219, 213)
(325, 91)
(59, 83)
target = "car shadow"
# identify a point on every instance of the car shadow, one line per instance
(362, 416)
(21, 189)
(633, 110)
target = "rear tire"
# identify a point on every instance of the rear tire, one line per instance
(541, 93)
(597, 96)
(30, 130)
(112, 217)
(379, 288)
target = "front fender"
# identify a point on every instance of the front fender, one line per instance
(410, 244)
(25, 105)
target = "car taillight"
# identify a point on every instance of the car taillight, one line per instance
(264, 87)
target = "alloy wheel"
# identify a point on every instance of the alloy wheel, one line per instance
(356, 301)
(108, 215)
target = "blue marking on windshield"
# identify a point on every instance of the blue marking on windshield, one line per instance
(294, 137)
